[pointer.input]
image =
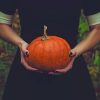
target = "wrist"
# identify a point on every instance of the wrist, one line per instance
(20, 44)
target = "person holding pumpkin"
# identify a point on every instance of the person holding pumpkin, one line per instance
(62, 19)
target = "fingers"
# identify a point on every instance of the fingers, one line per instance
(60, 71)
(69, 66)
(25, 52)
(26, 65)
(64, 70)
(72, 53)
(54, 73)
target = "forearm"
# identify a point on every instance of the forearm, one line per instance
(92, 39)
(7, 33)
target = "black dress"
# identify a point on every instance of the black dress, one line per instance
(62, 19)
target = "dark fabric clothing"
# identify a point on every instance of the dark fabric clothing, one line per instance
(62, 19)
(26, 85)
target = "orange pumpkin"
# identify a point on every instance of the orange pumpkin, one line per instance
(48, 53)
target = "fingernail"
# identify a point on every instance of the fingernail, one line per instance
(71, 54)
(26, 54)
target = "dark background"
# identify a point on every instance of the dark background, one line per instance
(92, 57)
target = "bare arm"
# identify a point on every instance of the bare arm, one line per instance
(7, 33)
(92, 39)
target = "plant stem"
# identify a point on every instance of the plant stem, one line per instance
(45, 37)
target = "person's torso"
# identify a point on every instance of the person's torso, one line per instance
(61, 17)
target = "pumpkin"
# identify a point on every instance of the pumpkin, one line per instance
(48, 53)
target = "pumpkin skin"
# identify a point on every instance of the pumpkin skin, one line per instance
(49, 54)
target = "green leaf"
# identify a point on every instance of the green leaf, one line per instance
(97, 58)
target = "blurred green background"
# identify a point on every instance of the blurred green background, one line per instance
(92, 57)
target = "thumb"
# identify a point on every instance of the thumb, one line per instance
(25, 52)
(72, 53)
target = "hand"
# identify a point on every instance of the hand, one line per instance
(25, 52)
(72, 55)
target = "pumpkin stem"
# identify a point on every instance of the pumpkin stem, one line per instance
(45, 37)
